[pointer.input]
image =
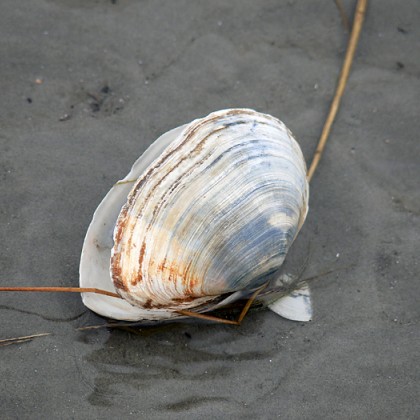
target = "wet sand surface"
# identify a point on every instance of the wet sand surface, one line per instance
(86, 86)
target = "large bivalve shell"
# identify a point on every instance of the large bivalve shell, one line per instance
(214, 209)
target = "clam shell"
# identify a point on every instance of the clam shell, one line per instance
(214, 213)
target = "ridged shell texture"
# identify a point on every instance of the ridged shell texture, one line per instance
(216, 212)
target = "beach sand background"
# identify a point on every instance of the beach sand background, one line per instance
(86, 86)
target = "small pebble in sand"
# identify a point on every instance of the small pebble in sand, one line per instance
(64, 117)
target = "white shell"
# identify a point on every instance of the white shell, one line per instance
(296, 306)
(216, 205)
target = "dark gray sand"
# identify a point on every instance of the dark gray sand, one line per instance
(114, 75)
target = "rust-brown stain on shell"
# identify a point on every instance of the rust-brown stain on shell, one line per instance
(161, 266)
(116, 257)
(183, 300)
(172, 271)
(116, 274)
(139, 277)
(121, 225)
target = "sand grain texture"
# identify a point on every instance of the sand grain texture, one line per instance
(87, 86)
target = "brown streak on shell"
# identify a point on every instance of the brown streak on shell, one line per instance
(116, 276)
(183, 300)
(139, 277)
(162, 266)
(176, 272)
(150, 305)
(121, 226)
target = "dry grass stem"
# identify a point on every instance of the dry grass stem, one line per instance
(60, 289)
(18, 340)
(343, 15)
(342, 82)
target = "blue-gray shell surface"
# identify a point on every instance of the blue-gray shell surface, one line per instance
(214, 213)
